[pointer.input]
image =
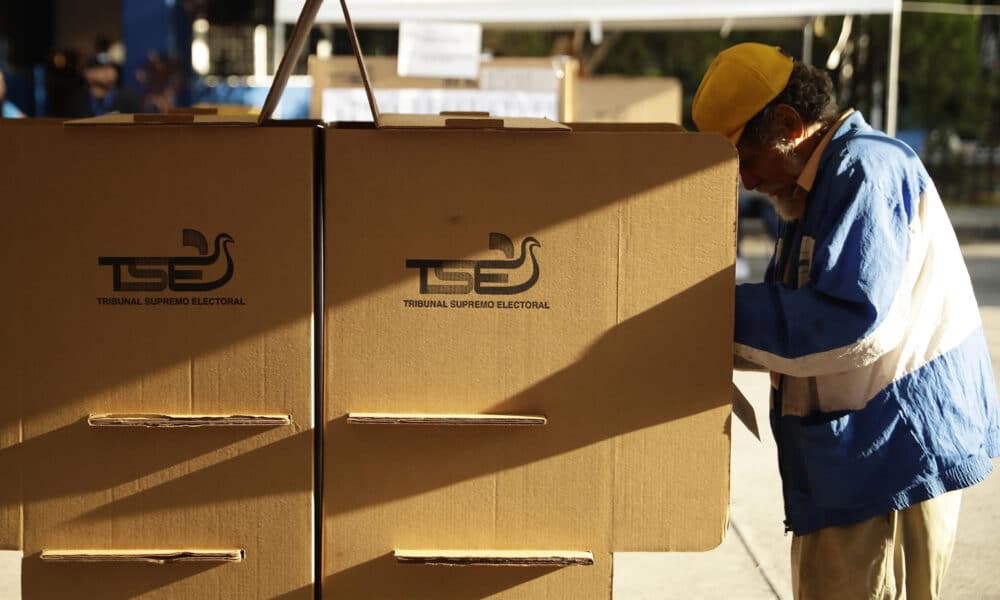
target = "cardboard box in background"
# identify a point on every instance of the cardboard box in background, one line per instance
(522, 86)
(576, 275)
(609, 98)
(159, 269)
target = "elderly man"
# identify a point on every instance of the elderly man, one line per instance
(884, 403)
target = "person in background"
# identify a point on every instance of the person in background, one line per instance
(160, 81)
(9, 110)
(101, 94)
(884, 403)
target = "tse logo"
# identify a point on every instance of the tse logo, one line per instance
(481, 276)
(178, 273)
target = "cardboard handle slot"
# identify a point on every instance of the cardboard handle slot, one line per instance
(463, 113)
(195, 110)
(473, 123)
(166, 421)
(444, 419)
(495, 558)
(160, 557)
(164, 118)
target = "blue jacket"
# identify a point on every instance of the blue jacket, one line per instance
(886, 395)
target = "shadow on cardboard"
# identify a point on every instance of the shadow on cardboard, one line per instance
(114, 457)
(306, 592)
(621, 384)
(107, 581)
(482, 182)
(84, 190)
(272, 470)
(53, 374)
(90, 358)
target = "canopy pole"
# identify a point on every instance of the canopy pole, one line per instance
(807, 43)
(892, 91)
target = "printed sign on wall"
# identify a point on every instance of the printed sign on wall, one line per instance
(445, 50)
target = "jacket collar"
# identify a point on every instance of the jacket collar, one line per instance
(847, 120)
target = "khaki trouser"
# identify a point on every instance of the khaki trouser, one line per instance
(898, 556)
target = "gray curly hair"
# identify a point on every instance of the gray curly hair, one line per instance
(809, 91)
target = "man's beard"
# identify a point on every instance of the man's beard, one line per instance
(787, 203)
(786, 198)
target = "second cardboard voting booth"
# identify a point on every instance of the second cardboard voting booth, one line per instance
(157, 365)
(528, 355)
(528, 352)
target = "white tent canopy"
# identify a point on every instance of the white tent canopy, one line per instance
(608, 14)
(552, 14)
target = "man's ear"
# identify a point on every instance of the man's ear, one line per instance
(788, 122)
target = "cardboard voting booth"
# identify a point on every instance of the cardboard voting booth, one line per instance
(523, 361)
(157, 409)
(528, 353)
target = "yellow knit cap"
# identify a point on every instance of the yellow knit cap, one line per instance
(739, 83)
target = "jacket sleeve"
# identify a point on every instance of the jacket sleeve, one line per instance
(851, 311)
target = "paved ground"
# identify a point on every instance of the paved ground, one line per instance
(10, 575)
(752, 563)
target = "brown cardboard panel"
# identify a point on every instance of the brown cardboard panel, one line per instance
(10, 466)
(183, 118)
(650, 250)
(196, 110)
(629, 99)
(236, 204)
(473, 123)
(32, 122)
(395, 162)
(11, 327)
(200, 118)
(614, 321)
